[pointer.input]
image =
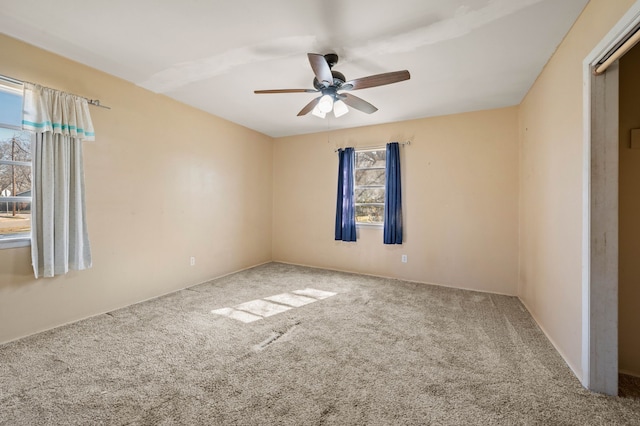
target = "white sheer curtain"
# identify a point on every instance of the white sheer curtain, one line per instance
(59, 238)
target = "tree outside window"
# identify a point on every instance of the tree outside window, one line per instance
(370, 186)
(15, 181)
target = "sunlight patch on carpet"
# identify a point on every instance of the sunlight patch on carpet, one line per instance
(316, 294)
(262, 308)
(245, 317)
(293, 300)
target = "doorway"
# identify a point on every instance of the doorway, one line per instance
(600, 305)
(629, 226)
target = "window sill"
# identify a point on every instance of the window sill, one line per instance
(14, 243)
(370, 225)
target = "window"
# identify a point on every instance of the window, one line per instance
(369, 186)
(15, 169)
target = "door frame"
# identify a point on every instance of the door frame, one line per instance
(600, 214)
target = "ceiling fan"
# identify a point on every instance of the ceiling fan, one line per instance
(330, 83)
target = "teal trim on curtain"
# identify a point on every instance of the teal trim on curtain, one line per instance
(49, 110)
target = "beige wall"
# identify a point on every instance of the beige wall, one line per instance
(551, 158)
(629, 213)
(163, 182)
(460, 200)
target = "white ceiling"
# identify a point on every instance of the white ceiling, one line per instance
(463, 55)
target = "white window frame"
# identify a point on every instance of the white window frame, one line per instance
(356, 187)
(19, 241)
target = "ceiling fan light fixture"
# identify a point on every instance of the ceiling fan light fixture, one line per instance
(329, 82)
(316, 111)
(326, 104)
(340, 108)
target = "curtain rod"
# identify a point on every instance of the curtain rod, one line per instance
(94, 102)
(379, 146)
(617, 51)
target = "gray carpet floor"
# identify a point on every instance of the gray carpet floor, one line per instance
(378, 352)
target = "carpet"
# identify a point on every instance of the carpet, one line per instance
(376, 352)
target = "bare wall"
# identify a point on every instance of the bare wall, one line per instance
(460, 199)
(164, 182)
(629, 212)
(551, 161)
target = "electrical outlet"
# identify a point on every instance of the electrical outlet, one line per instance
(404, 258)
(192, 261)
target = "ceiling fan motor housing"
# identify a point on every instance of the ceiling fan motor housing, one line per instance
(338, 80)
(331, 58)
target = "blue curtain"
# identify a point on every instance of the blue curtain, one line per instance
(345, 204)
(393, 196)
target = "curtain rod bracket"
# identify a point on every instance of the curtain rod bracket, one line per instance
(96, 102)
